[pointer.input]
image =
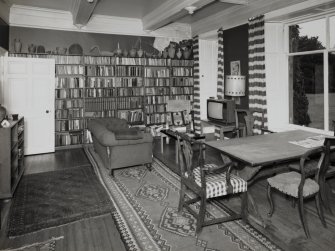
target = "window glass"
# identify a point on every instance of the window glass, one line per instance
(306, 78)
(332, 32)
(331, 59)
(308, 36)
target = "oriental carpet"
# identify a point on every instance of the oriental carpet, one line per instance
(147, 217)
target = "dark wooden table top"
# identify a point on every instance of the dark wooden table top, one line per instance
(172, 134)
(265, 149)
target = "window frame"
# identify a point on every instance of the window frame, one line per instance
(325, 53)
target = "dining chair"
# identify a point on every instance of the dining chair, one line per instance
(298, 185)
(207, 182)
(311, 169)
(245, 121)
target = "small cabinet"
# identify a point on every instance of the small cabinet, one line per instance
(11, 157)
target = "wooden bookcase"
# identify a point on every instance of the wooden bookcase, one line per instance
(69, 101)
(11, 157)
(103, 86)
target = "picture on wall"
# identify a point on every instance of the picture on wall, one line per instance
(235, 68)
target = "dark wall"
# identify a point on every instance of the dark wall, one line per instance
(236, 49)
(4, 34)
(51, 39)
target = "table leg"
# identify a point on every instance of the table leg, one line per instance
(177, 152)
(162, 143)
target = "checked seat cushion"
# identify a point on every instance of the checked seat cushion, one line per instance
(216, 183)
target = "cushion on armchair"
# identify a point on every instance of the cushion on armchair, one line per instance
(127, 133)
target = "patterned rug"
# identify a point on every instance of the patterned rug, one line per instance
(147, 217)
(51, 199)
(49, 245)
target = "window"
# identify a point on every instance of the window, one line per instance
(312, 73)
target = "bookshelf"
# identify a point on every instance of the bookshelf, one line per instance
(69, 101)
(11, 157)
(135, 89)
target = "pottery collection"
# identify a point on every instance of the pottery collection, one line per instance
(17, 45)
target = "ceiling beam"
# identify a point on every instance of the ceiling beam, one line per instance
(82, 11)
(168, 12)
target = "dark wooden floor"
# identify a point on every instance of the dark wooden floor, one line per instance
(283, 228)
(92, 234)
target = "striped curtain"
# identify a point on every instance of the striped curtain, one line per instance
(220, 79)
(196, 92)
(257, 85)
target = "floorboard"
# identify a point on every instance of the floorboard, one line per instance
(284, 227)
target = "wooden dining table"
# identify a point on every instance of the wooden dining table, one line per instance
(261, 156)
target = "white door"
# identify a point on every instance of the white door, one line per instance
(29, 91)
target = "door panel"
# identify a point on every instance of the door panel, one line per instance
(30, 93)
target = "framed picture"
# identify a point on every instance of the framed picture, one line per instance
(235, 68)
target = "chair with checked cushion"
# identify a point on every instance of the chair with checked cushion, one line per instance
(299, 186)
(206, 181)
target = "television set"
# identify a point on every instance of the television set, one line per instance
(221, 111)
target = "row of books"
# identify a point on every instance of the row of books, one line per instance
(69, 93)
(114, 82)
(156, 99)
(156, 118)
(69, 113)
(182, 71)
(100, 104)
(131, 116)
(182, 81)
(155, 108)
(181, 90)
(130, 91)
(100, 114)
(69, 125)
(182, 63)
(75, 82)
(130, 103)
(108, 70)
(157, 91)
(67, 104)
(156, 82)
(66, 139)
(70, 69)
(156, 73)
(101, 92)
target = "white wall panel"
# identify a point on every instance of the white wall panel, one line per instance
(208, 52)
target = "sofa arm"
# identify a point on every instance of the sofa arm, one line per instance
(147, 138)
(101, 133)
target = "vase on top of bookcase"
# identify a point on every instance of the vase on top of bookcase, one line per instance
(17, 45)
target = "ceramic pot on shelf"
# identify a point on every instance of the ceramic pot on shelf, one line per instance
(118, 51)
(17, 45)
(171, 51)
(187, 53)
(179, 54)
(125, 53)
(140, 52)
(132, 52)
(32, 48)
(165, 53)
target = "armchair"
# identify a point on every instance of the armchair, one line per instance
(113, 141)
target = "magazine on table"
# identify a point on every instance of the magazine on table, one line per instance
(310, 142)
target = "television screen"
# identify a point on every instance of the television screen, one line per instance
(221, 110)
(215, 110)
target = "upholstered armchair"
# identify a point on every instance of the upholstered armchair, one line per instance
(119, 146)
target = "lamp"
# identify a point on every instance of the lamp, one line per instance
(190, 9)
(235, 86)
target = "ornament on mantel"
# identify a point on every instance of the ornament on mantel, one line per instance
(118, 50)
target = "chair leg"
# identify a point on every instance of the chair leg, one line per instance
(201, 216)
(182, 197)
(270, 201)
(302, 216)
(325, 189)
(319, 209)
(293, 202)
(244, 207)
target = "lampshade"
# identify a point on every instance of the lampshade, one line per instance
(235, 85)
